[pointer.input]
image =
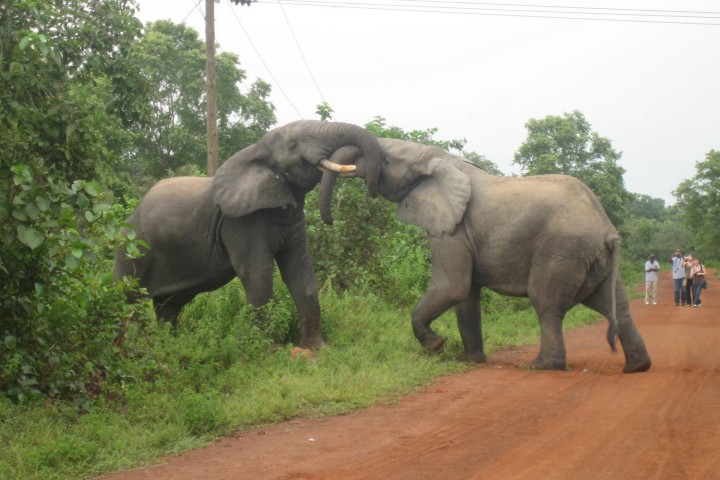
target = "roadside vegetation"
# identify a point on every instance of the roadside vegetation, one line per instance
(89, 119)
(222, 374)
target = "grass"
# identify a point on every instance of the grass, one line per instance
(221, 375)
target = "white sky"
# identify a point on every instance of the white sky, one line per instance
(653, 89)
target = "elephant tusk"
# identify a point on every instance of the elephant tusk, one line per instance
(336, 167)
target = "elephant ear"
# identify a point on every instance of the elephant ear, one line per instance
(240, 188)
(438, 202)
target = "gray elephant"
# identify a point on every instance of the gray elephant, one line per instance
(202, 232)
(543, 237)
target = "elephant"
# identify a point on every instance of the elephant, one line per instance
(543, 237)
(203, 231)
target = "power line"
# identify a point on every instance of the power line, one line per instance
(525, 11)
(554, 6)
(195, 7)
(242, 27)
(496, 9)
(300, 51)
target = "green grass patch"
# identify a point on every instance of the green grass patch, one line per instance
(224, 372)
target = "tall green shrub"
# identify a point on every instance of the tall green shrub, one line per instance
(61, 313)
(66, 105)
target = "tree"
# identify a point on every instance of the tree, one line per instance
(482, 161)
(380, 129)
(325, 111)
(176, 135)
(699, 197)
(645, 206)
(66, 89)
(66, 101)
(567, 145)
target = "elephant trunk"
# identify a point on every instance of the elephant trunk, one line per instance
(342, 156)
(335, 135)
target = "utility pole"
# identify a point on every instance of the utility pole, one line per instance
(211, 84)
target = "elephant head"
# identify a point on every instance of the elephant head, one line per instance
(431, 193)
(289, 160)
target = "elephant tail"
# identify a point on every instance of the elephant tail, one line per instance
(613, 243)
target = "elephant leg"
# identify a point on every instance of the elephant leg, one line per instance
(470, 325)
(298, 274)
(552, 293)
(636, 355)
(637, 358)
(258, 283)
(551, 307)
(552, 354)
(255, 270)
(167, 308)
(449, 285)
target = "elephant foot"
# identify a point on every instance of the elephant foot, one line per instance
(639, 366)
(476, 357)
(636, 355)
(433, 342)
(541, 364)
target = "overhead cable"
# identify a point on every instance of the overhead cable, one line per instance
(297, 44)
(242, 27)
(682, 17)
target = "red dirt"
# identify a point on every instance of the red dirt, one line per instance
(501, 421)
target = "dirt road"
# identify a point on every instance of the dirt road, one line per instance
(501, 421)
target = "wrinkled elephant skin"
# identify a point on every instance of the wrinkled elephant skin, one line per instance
(202, 232)
(543, 237)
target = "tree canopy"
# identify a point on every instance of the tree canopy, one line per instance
(67, 87)
(380, 129)
(174, 139)
(648, 207)
(699, 197)
(67, 102)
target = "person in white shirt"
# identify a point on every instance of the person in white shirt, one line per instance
(652, 267)
(678, 273)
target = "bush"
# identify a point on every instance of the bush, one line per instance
(201, 413)
(63, 315)
(345, 254)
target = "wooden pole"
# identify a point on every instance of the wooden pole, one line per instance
(211, 83)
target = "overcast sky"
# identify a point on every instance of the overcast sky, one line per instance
(480, 70)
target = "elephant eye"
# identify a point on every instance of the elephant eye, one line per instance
(292, 145)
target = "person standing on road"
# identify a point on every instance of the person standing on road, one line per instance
(699, 281)
(652, 267)
(688, 282)
(678, 274)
